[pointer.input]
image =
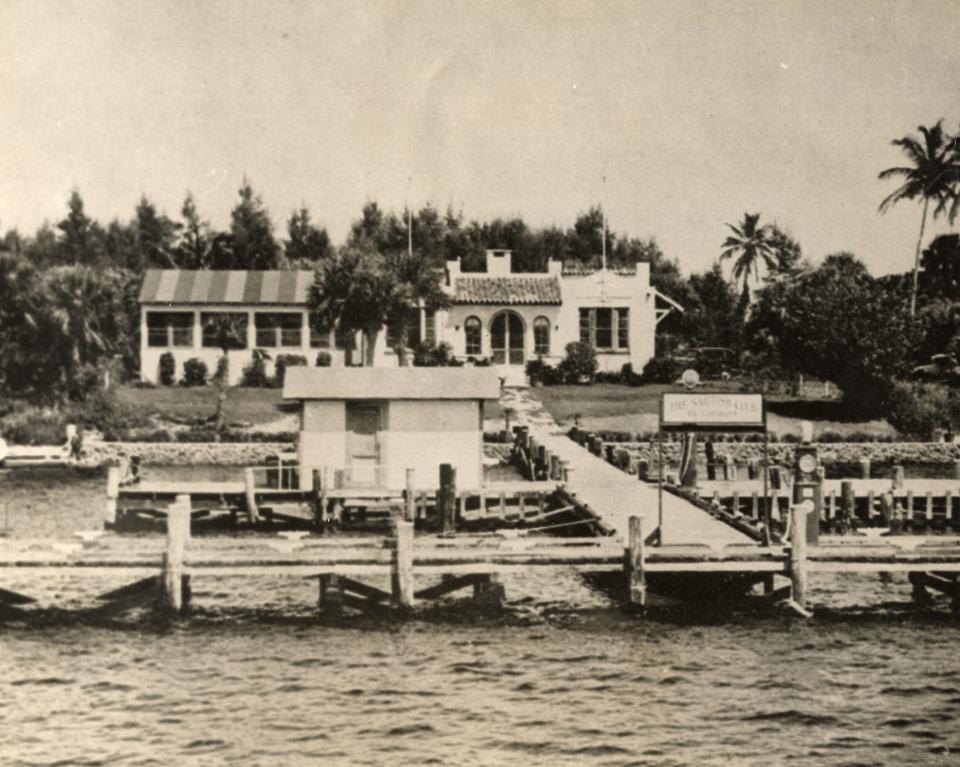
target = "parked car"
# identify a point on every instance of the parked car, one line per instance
(942, 367)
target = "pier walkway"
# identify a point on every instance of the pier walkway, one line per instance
(615, 496)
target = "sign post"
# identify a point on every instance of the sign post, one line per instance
(713, 412)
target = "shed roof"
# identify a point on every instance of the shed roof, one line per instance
(222, 286)
(352, 383)
(506, 290)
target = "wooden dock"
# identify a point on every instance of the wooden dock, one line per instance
(428, 567)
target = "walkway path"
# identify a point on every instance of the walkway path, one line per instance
(611, 493)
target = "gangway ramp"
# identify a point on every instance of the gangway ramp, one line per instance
(615, 496)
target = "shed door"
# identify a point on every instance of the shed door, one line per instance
(363, 444)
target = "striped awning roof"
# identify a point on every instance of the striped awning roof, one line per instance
(506, 290)
(208, 286)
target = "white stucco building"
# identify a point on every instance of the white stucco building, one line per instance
(506, 317)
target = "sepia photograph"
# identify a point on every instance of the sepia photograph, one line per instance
(434, 382)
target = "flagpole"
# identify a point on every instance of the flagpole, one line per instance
(603, 211)
(409, 221)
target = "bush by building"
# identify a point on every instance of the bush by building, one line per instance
(324, 360)
(255, 374)
(194, 372)
(661, 370)
(168, 369)
(580, 363)
(430, 355)
(921, 410)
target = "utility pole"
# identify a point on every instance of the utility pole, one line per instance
(409, 220)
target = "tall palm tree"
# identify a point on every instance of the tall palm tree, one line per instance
(750, 244)
(932, 175)
(228, 332)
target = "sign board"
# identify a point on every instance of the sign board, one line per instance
(689, 411)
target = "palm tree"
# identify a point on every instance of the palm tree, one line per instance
(228, 332)
(933, 175)
(750, 245)
(417, 284)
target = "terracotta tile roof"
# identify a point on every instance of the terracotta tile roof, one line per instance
(213, 286)
(352, 383)
(506, 290)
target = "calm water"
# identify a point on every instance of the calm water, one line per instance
(562, 677)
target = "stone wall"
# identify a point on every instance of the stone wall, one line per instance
(185, 453)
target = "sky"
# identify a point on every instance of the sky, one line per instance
(694, 112)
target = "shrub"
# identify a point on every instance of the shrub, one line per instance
(34, 426)
(101, 410)
(255, 374)
(919, 410)
(194, 372)
(324, 359)
(661, 370)
(427, 354)
(482, 362)
(168, 369)
(580, 364)
(223, 369)
(628, 377)
(282, 363)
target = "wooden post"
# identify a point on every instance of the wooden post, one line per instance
(635, 564)
(319, 507)
(928, 510)
(113, 492)
(402, 564)
(735, 502)
(324, 499)
(910, 507)
(870, 498)
(847, 501)
(409, 497)
(832, 506)
(253, 514)
(178, 533)
(643, 470)
(798, 555)
(886, 509)
(555, 467)
(331, 596)
(754, 505)
(565, 471)
(956, 469)
(447, 498)
(947, 508)
(898, 477)
(729, 468)
(865, 468)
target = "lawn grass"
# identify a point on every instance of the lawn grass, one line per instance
(256, 406)
(616, 407)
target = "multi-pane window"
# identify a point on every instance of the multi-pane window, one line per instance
(275, 329)
(472, 333)
(224, 330)
(605, 328)
(541, 335)
(166, 329)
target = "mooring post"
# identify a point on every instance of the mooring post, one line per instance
(865, 468)
(250, 495)
(798, 554)
(410, 497)
(317, 496)
(565, 470)
(330, 599)
(402, 564)
(635, 564)
(555, 473)
(848, 500)
(643, 470)
(956, 469)
(178, 532)
(113, 492)
(447, 498)
(898, 477)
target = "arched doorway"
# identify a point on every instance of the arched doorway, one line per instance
(507, 339)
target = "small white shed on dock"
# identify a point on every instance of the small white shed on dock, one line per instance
(366, 426)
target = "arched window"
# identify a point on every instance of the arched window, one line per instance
(471, 330)
(541, 335)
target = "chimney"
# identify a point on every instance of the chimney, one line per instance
(499, 263)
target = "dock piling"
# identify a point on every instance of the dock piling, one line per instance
(317, 494)
(178, 533)
(402, 564)
(635, 564)
(113, 492)
(447, 498)
(249, 490)
(798, 555)
(409, 497)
